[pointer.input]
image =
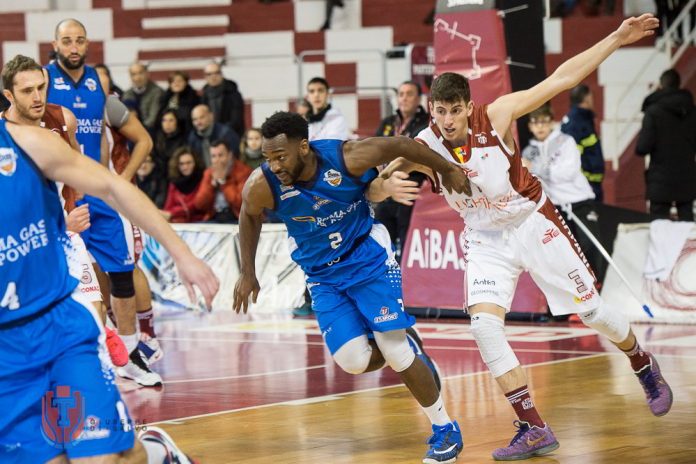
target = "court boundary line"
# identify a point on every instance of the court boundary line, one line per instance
(364, 390)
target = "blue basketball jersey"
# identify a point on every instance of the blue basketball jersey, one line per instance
(33, 268)
(327, 217)
(86, 99)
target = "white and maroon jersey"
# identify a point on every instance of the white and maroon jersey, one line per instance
(504, 193)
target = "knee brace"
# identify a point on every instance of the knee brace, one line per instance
(395, 349)
(122, 284)
(354, 356)
(489, 332)
(610, 322)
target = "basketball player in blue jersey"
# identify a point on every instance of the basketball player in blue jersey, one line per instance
(58, 398)
(319, 190)
(77, 87)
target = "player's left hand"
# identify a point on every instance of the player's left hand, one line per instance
(400, 189)
(245, 286)
(633, 29)
(77, 220)
(194, 271)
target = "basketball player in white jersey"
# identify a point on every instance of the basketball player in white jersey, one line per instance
(511, 226)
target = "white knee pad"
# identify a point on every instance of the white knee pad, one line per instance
(354, 356)
(610, 322)
(489, 332)
(395, 349)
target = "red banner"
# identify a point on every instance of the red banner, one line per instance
(472, 44)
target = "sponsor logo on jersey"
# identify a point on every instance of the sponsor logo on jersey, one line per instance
(549, 235)
(462, 154)
(59, 84)
(333, 177)
(285, 188)
(385, 316)
(78, 103)
(63, 413)
(290, 194)
(319, 202)
(484, 282)
(586, 297)
(481, 138)
(8, 161)
(304, 219)
(574, 275)
(91, 84)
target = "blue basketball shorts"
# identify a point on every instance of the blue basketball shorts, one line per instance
(58, 390)
(109, 238)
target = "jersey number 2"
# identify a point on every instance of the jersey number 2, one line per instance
(336, 239)
(10, 300)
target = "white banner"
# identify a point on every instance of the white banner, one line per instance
(672, 300)
(282, 281)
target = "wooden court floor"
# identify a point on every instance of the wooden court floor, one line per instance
(239, 389)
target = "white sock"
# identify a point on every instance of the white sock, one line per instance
(131, 342)
(156, 452)
(437, 413)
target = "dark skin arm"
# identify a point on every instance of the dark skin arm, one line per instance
(256, 196)
(362, 155)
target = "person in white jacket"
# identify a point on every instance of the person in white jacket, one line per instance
(325, 121)
(553, 157)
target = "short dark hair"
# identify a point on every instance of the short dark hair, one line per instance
(16, 65)
(319, 80)
(670, 79)
(292, 125)
(415, 84)
(578, 94)
(450, 87)
(218, 142)
(541, 112)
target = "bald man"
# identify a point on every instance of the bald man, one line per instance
(205, 131)
(146, 94)
(223, 98)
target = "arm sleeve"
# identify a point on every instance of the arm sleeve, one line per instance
(206, 193)
(646, 137)
(115, 112)
(566, 165)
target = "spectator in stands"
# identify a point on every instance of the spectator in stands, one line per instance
(668, 135)
(325, 122)
(580, 124)
(185, 175)
(410, 118)
(105, 76)
(205, 130)
(146, 94)
(151, 182)
(304, 108)
(223, 98)
(168, 137)
(250, 148)
(180, 97)
(220, 193)
(553, 157)
(330, 5)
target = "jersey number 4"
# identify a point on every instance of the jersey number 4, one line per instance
(10, 300)
(336, 239)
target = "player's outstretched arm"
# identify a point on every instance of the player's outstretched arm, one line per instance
(256, 196)
(365, 154)
(512, 106)
(61, 163)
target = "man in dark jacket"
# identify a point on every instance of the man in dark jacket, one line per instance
(410, 118)
(668, 135)
(205, 130)
(579, 123)
(223, 98)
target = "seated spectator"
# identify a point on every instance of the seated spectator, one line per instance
(185, 175)
(325, 121)
(167, 138)
(220, 193)
(223, 98)
(250, 148)
(146, 95)
(180, 97)
(151, 182)
(205, 130)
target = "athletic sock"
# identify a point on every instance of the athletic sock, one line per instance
(131, 342)
(437, 412)
(146, 322)
(639, 358)
(524, 406)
